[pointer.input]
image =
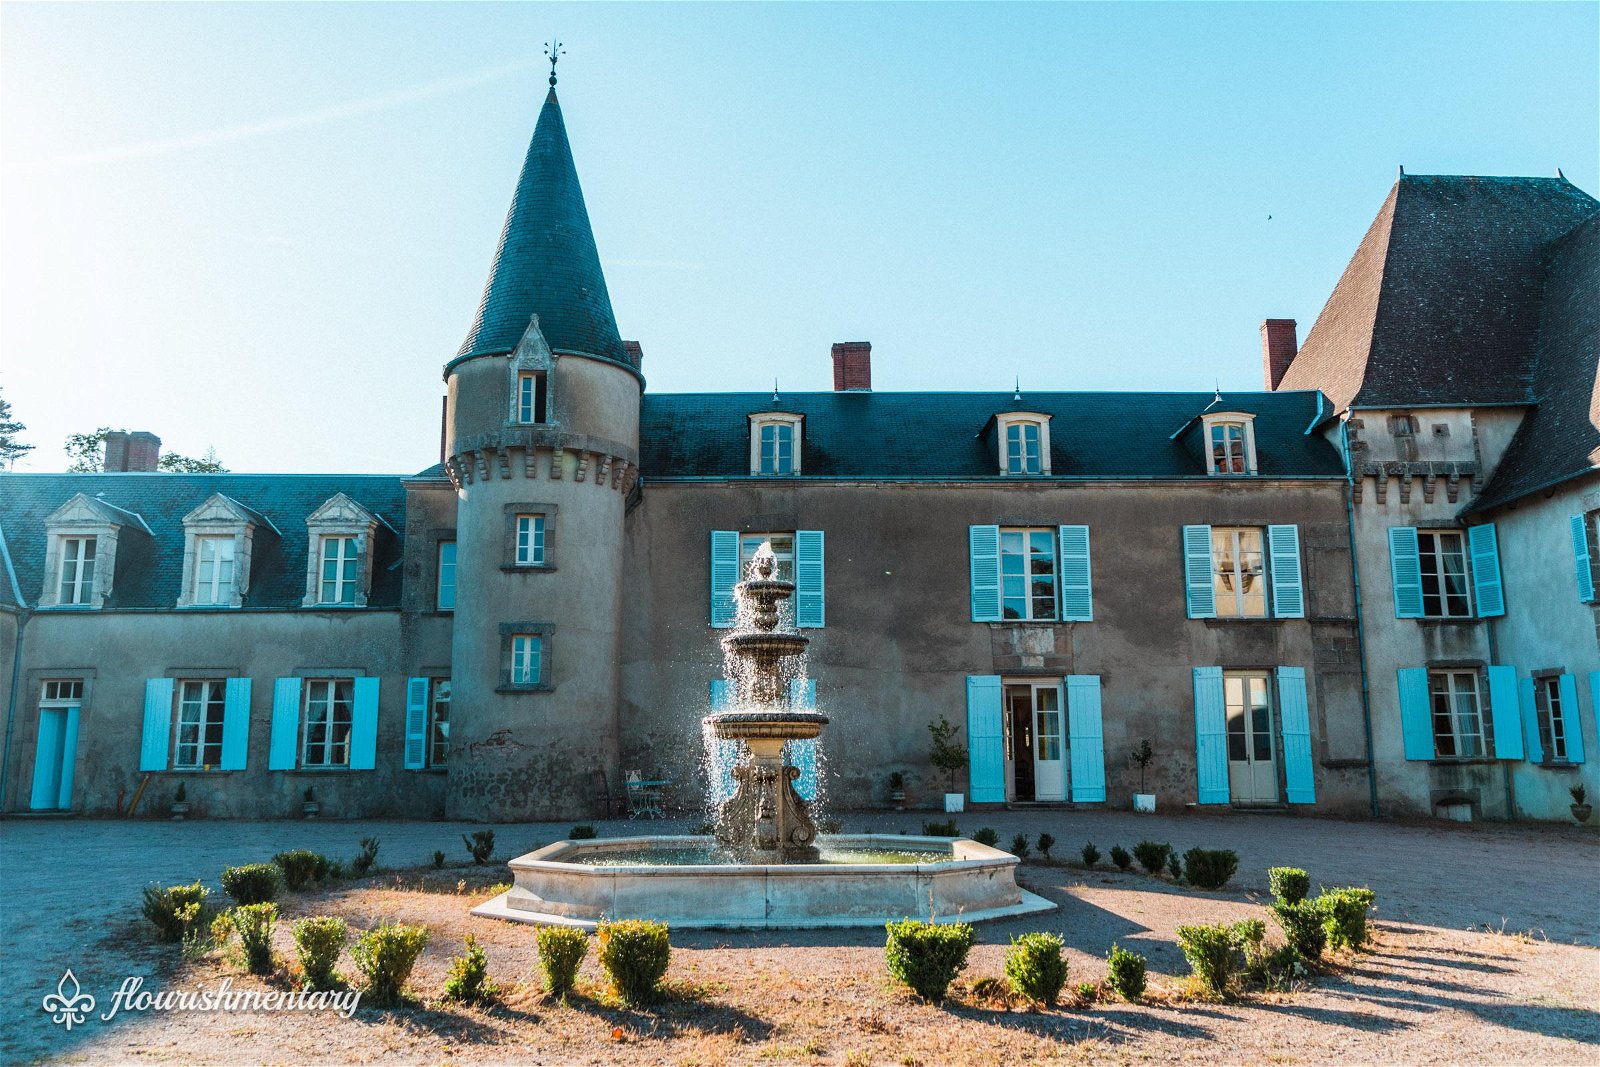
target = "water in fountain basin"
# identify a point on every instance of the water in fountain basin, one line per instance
(684, 856)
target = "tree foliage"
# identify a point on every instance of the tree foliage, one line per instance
(11, 446)
(86, 454)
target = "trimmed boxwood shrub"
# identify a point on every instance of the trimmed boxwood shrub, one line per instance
(385, 955)
(468, 981)
(254, 924)
(480, 845)
(1212, 952)
(1209, 868)
(1125, 973)
(1035, 967)
(318, 942)
(926, 957)
(1344, 915)
(1152, 855)
(1303, 927)
(561, 950)
(1289, 884)
(986, 836)
(301, 867)
(1089, 854)
(252, 883)
(944, 829)
(635, 954)
(583, 832)
(174, 910)
(1120, 857)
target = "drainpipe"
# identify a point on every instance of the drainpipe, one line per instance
(16, 668)
(1361, 630)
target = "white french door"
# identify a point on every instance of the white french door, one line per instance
(1037, 746)
(1252, 756)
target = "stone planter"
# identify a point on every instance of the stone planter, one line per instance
(310, 808)
(180, 808)
(1144, 803)
(955, 802)
(1581, 812)
(897, 797)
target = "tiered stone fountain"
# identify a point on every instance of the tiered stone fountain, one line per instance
(765, 867)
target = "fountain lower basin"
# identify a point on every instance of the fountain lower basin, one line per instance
(571, 883)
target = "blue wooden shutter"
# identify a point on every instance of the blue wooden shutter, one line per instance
(1505, 716)
(235, 724)
(284, 752)
(157, 724)
(1077, 593)
(69, 757)
(364, 725)
(1484, 549)
(46, 746)
(1405, 569)
(1530, 721)
(983, 544)
(1580, 559)
(1294, 712)
(1210, 736)
(1199, 592)
(1570, 718)
(1086, 738)
(723, 753)
(803, 754)
(416, 723)
(1288, 591)
(986, 758)
(809, 610)
(1416, 717)
(724, 576)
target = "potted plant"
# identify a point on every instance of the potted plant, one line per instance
(948, 757)
(180, 803)
(310, 807)
(1580, 809)
(1141, 756)
(897, 790)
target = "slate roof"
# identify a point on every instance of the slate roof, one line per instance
(547, 262)
(1441, 302)
(150, 568)
(1560, 438)
(951, 435)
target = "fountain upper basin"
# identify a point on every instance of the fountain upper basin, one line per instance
(751, 725)
(570, 883)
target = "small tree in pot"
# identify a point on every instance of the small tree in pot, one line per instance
(948, 757)
(309, 807)
(897, 790)
(1580, 805)
(180, 802)
(1141, 756)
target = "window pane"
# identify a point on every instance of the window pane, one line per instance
(447, 576)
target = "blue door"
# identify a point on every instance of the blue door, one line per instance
(54, 759)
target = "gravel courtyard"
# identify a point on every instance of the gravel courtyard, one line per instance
(1486, 952)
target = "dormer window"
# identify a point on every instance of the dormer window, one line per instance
(1024, 443)
(775, 444)
(82, 536)
(77, 570)
(213, 580)
(339, 556)
(532, 397)
(219, 536)
(1230, 443)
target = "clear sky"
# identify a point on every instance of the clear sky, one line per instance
(265, 227)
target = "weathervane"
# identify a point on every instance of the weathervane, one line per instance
(553, 51)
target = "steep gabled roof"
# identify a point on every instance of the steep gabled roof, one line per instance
(547, 263)
(1560, 438)
(1440, 305)
(942, 435)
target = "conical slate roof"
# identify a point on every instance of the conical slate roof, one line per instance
(547, 263)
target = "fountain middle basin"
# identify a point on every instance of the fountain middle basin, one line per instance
(578, 883)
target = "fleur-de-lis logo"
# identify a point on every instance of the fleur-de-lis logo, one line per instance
(69, 1004)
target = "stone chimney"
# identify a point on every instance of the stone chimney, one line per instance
(1278, 348)
(137, 451)
(635, 354)
(852, 366)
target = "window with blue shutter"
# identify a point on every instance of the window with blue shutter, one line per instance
(69, 761)
(1484, 549)
(809, 609)
(1077, 593)
(986, 760)
(1199, 593)
(722, 753)
(1580, 559)
(1288, 590)
(235, 725)
(802, 754)
(1405, 569)
(364, 725)
(1530, 721)
(1571, 718)
(1294, 710)
(724, 576)
(285, 746)
(416, 756)
(983, 544)
(1505, 713)
(1086, 738)
(157, 724)
(1210, 734)
(1416, 718)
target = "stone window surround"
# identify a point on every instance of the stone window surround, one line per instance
(544, 631)
(84, 516)
(532, 355)
(509, 554)
(27, 736)
(219, 516)
(1007, 419)
(1245, 418)
(787, 418)
(1540, 675)
(437, 537)
(350, 520)
(1486, 729)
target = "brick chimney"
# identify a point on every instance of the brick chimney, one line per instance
(137, 451)
(852, 366)
(635, 354)
(1278, 348)
(117, 450)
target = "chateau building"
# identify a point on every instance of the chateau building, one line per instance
(1369, 586)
